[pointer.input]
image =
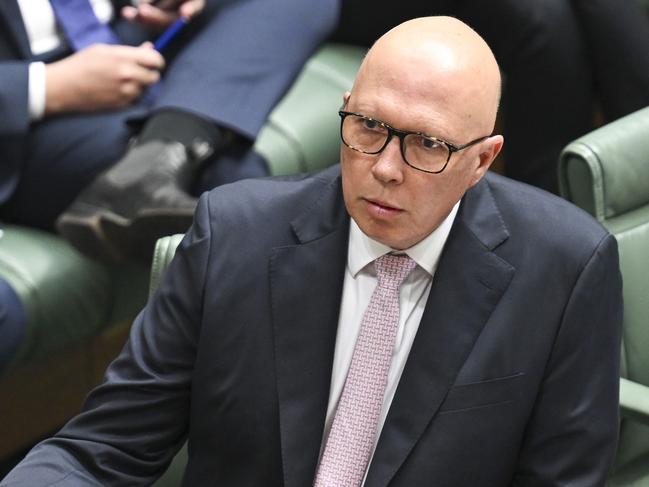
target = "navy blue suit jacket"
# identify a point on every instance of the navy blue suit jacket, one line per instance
(15, 56)
(512, 378)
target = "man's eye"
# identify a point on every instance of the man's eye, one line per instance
(428, 144)
(370, 124)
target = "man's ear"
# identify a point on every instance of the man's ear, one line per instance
(489, 150)
(346, 96)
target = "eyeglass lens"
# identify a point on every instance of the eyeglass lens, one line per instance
(369, 136)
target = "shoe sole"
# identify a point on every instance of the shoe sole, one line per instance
(108, 237)
(136, 239)
(86, 233)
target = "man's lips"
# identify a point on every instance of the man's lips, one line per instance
(381, 208)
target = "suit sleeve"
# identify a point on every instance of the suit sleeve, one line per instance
(133, 424)
(572, 435)
(14, 99)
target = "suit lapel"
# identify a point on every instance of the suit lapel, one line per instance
(305, 298)
(468, 284)
(13, 24)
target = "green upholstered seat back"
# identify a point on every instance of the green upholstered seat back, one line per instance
(165, 249)
(632, 233)
(302, 131)
(606, 172)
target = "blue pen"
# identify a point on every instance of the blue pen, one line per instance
(167, 36)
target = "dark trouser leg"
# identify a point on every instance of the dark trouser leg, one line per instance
(617, 34)
(548, 94)
(244, 58)
(363, 21)
(63, 155)
(237, 161)
(233, 67)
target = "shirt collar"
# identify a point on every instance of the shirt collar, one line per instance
(362, 249)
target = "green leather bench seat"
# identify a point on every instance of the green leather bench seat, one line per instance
(606, 172)
(67, 297)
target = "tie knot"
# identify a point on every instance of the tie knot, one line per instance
(391, 270)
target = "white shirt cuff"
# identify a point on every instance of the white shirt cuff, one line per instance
(36, 91)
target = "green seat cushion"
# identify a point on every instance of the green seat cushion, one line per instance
(66, 296)
(635, 474)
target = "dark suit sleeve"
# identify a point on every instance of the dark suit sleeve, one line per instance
(14, 121)
(132, 424)
(571, 437)
(14, 101)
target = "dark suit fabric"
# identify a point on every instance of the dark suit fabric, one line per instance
(558, 57)
(617, 34)
(512, 378)
(231, 66)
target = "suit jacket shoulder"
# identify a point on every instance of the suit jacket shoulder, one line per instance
(548, 226)
(273, 210)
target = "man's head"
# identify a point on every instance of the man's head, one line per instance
(434, 76)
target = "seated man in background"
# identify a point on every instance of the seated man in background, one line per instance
(73, 73)
(401, 319)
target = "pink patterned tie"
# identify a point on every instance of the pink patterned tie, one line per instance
(351, 438)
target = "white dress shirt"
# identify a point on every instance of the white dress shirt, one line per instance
(360, 281)
(44, 36)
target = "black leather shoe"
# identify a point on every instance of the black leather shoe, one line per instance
(143, 197)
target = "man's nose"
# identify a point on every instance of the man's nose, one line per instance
(389, 164)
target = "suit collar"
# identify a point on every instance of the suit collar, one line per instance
(469, 282)
(325, 214)
(482, 217)
(305, 299)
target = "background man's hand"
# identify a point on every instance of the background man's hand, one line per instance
(101, 77)
(159, 17)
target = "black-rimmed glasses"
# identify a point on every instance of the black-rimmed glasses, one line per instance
(419, 151)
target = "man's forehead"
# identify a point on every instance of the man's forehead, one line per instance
(437, 64)
(408, 116)
(412, 104)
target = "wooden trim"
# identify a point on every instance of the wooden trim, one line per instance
(36, 399)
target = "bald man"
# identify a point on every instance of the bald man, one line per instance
(561, 60)
(403, 319)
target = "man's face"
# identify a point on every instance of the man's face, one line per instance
(390, 201)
